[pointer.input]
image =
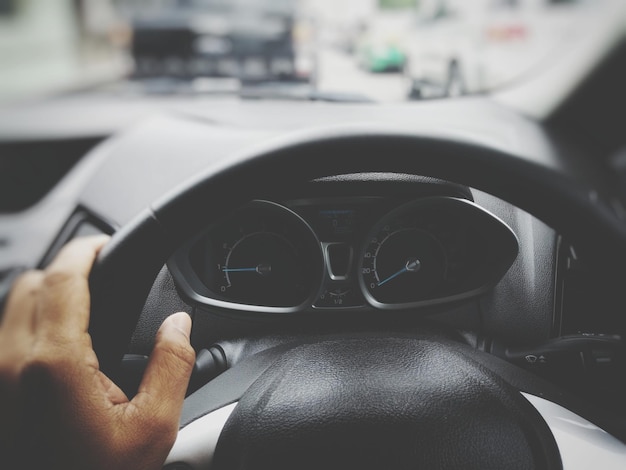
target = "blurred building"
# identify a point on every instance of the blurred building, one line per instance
(51, 45)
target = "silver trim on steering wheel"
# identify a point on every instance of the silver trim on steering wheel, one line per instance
(582, 444)
(196, 442)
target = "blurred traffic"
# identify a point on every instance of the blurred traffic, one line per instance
(381, 50)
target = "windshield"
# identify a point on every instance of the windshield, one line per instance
(380, 50)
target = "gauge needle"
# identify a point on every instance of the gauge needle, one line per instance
(262, 269)
(412, 265)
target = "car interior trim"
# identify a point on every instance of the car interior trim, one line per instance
(196, 442)
(582, 444)
(503, 243)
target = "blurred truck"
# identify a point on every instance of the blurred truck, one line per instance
(248, 40)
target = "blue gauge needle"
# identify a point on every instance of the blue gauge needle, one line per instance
(262, 269)
(412, 265)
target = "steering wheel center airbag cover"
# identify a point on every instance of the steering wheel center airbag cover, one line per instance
(389, 403)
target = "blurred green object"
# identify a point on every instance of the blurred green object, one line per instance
(396, 4)
(382, 58)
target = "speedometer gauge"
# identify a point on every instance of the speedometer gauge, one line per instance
(401, 263)
(263, 257)
(434, 250)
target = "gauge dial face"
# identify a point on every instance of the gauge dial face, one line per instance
(264, 266)
(263, 255)
(402, 263)
(434, 250)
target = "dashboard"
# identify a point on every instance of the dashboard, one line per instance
(380, 253)
(326, 226)
(344, 252)
(347, 256)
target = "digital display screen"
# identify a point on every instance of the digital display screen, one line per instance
(337, 222)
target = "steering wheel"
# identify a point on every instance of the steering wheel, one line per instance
(364, 400)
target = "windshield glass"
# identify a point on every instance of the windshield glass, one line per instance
(381, 50)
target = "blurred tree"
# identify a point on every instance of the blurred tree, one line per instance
(397, 4)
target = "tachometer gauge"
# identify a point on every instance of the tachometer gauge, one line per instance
(264, 267)
(264, 257)
(434, 250)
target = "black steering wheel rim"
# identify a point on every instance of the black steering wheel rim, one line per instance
(126, 268)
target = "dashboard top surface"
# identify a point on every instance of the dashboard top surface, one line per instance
(177, 139)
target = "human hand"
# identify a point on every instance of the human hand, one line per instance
(57, 409)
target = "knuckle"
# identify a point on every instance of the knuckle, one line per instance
(28, 283)
(39, 363)
(11, 365)
(29, 278)
(56, 277)
(181, 352)
(36, 370)
(47, 360)
(8, 372)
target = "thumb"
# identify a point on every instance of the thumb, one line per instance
(165, 380)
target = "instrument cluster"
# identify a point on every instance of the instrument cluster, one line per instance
(369, 252)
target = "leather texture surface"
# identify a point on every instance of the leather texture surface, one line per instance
(391, 403)
(520, 308)
(162, 301)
